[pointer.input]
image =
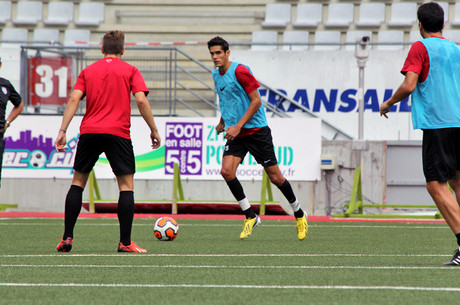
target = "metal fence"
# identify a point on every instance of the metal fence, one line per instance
(178, 83)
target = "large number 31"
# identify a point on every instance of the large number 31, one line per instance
(46, 86)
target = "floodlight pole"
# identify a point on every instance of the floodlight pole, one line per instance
(361, 65)
(362, 50)
(356, 201)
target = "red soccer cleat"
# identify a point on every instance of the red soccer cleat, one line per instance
(131, 248)
(65, 245)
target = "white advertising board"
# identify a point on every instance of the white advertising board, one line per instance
(327, 83)
(191, 142)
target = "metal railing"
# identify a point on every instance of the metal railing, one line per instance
(179, 84)
(176, 81)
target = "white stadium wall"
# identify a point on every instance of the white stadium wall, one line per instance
(327, 83)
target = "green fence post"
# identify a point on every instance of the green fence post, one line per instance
(266, 190)
(178, 192)
(356, 191)
(93, 190)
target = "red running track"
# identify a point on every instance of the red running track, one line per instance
(213, 216)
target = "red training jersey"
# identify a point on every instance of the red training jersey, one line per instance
(108, 84)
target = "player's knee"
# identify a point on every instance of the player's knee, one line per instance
(436, 189)
(277, 180)
(227, 174)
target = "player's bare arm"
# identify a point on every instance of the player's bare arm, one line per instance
(404, 90)
(70, 110)
(220, 127)
(144, 108)
(233, 131)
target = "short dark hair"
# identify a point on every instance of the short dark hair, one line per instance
(218, 41)
(113, 42)
(431, 16)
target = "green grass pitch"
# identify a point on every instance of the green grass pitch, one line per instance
(338, 263)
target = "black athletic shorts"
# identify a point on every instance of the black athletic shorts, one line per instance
(441, 153)
(119, 151)
(259, 145)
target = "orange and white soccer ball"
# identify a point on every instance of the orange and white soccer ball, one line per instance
(166, 228)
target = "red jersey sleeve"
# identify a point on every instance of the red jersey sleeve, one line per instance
(246, 79)
(138, 82)
(80, 84)
(417, 61)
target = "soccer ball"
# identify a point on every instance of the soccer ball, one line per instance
(166, 228)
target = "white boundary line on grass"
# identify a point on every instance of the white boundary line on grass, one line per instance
(226, 255)
(136, 255)
(336, 287)
(230, 267)
(444, 227)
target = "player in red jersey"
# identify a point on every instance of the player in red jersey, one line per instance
(105, 127)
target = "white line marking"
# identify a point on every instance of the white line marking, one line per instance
(231, 267)
(329, 287)
(67, 255)
(443, 227)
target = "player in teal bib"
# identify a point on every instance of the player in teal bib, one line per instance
(425, 113)
(432, 76)
(234, 101)
(246, 130)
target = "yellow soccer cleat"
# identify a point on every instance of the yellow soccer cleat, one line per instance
(302, 227)
(248, 225)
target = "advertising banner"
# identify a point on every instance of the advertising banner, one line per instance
(193, 143)
(327, 83)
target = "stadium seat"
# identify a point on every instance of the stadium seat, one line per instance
(5, 11)
(395, 37)
(78, 38)
(353, 36)
(308, 15)
(453, 35)
(295, 37)
(328, 37)
(277, 15)
(59, 13)
(46, 36)
(28, 13)
(371, 15)
(340, 15)
(90, 14)
(269, 37)
(456, 20)
(403, 14)
(19, 36)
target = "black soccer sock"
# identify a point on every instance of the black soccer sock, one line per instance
(237, 189)
(249, 213)
(288, 192)
(125, 212)
(73, 202)
(458, 238)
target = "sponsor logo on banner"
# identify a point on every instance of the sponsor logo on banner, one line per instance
(333, 100)
(184, 146)
(192, 143)
(28, 152)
